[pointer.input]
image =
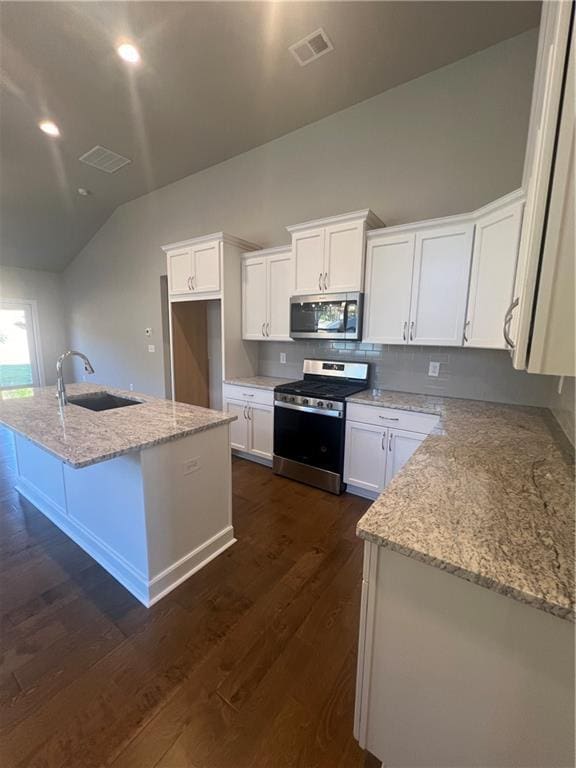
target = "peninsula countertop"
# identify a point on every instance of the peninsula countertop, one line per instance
(488, 496)
(81, 437)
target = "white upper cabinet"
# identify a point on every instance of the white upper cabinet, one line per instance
(254, 298)
(389, 266)
(440, 284)
(494, 259)
(417, 282)
(194, 267)
(267, 278)
(329, 253)
(206, 267)
(180, 270)
(308, 248)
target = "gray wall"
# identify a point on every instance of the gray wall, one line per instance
(47, 289)
(445, 143)
(563, 406)
(471, 373)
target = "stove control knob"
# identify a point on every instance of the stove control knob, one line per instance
(329, 405)
(305, 401)
(320, 403)
(291, 399)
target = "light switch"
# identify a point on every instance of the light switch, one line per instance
(151, 348)
(283, 358)
(433, 369)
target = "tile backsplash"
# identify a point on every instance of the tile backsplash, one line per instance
(482, 374)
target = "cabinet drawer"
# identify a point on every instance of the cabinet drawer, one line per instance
(249, 394)
(391, 418)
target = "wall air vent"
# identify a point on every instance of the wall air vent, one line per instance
(104, 159)
(311, 47)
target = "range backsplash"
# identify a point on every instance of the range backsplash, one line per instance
(482, 374)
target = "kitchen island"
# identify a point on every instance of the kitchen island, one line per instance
(145, 489)
(466, 652)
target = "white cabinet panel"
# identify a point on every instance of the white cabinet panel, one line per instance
(308, 248)
(238, 428)
(260, 428)
(494, 260)
(440, 284)
(344, 257)
(280, 280)
(365, 456)
(401, 446)
(206, 275)
(179, 271)
(390, 261)
(254, 299)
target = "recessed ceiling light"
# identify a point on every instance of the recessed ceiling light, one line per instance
(84, 192)
(49, 128)
(129, 53)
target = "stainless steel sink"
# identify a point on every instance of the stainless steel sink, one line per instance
(101, 401)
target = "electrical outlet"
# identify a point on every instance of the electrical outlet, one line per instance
(283, 358)
(151, 348)
(433, 369)
(131, 387)
(191, 466)
(148, 331)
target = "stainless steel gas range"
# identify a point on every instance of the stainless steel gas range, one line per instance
(309, 422)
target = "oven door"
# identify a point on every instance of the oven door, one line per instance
(311, 438)
(326, 316)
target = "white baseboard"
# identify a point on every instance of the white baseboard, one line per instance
(354, 489)
(170, 578)
(146, 591)
(252, 457)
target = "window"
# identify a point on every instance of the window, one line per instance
(19, 345)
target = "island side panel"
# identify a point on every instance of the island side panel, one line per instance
(455, 674)
(188, 499)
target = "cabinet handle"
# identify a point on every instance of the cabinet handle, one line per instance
(507, 321)
(320, 281)
(267, 329)
(466, 324)
(412, 331)
(189, 283)
(193, 282)
(384, 441)
(248, 408)
(404, 330)
(390, 441)
(245, 411)
(263, 327)
(389, 418)
(325, 281)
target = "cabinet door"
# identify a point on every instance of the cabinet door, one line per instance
(260, 428)
(365, 456)
(254, 300)
(308, 250)
(401, 446)
(492, 278)
(280, 279)
(440, 285)
(179, 271)
(390, 263)
(206, 275)
(238, 428)
(344, 257)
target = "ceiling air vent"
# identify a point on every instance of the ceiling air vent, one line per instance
(104, 159)
(311, 47)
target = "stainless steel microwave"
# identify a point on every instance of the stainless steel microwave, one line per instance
(327, 316)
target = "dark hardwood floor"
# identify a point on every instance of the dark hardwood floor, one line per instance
(251, 662)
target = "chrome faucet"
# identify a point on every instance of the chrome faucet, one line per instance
(60, 388)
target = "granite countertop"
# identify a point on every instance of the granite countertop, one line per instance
(488, 496)
(80, 437)
(259, 382)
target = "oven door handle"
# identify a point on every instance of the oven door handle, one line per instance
(310, 409)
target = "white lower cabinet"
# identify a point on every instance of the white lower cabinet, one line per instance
(252, 434)
(376, 449)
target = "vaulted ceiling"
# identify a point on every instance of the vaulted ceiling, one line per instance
(216, 79)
